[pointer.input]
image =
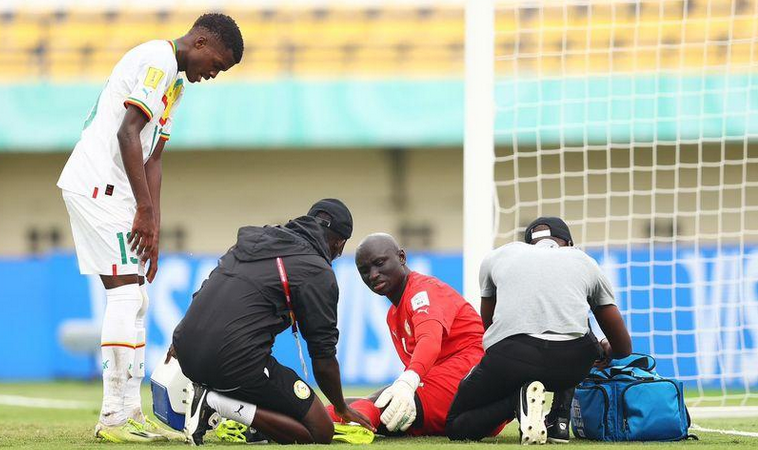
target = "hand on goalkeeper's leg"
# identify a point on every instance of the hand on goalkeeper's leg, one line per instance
(399, 403)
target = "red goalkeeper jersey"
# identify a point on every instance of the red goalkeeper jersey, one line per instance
(427, 298)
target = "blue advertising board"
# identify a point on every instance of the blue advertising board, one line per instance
(696, 310)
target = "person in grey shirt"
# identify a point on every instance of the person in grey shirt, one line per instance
(536, 299)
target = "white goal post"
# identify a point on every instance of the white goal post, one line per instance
(637, 122)
(479, 155)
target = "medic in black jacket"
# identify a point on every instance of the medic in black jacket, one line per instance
(224, 342)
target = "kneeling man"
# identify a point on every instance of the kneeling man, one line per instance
(437, 335)
(273, 279)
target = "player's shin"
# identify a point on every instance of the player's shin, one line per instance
(118, 341)
(132, 398)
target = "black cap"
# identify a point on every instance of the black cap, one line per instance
(342, 220)
(557, 226)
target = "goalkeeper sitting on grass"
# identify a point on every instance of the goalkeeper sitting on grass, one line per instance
(437, 335)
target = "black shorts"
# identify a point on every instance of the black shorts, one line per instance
(275, 388)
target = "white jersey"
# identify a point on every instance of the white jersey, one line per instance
(147, 78)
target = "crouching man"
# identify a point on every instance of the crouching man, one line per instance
(271, 278)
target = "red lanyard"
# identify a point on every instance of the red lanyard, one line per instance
(288, 297)
(287, 293)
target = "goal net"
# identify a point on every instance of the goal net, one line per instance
(636, 122)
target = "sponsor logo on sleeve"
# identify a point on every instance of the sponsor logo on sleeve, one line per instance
(153, 77)
(419, 300)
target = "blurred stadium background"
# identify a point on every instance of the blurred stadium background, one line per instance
(359, 100)
(655, 101)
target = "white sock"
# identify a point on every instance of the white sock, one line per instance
(229, 408)
(117, 343)
(132, 398)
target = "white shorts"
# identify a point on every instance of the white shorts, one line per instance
(100, 228)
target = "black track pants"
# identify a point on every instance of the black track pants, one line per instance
(488, 396)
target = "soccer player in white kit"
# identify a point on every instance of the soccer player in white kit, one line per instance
(111, 188)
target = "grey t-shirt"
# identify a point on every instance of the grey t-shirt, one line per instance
(541, 289)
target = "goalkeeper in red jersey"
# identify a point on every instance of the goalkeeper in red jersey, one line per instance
(437, 335)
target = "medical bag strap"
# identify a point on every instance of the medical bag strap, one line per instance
(598, 374)
(639, 361)
(642, 361)
(288, 297)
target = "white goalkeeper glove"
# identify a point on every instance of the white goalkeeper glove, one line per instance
(401, 412)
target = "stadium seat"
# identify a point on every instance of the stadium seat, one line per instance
(394, 40)
(23, 34)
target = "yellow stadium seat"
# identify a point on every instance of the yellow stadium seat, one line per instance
(551, 13)
(255, 69)
(18, 66)
(77, 34)
(383, 54)
(65, 65)
(261, 32)
(260, 61)
(317, 57)
(745, 27)
(445, 30)
(693, 57)
(102, 61)
(22, 34)
(505, 21)
(336, 32)
(623, 61)
(553, 38)
(741, 53)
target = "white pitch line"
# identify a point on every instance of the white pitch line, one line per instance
(49, 403)
(712, 412)
(729, 432)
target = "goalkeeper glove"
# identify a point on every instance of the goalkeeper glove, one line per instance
(401, 412)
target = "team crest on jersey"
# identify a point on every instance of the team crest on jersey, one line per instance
(153, 77)
(302, 391)
(169, 98)
(419, 300)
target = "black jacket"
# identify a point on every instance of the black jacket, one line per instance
(229, 329)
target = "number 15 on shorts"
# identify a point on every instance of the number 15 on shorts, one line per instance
(122, 246)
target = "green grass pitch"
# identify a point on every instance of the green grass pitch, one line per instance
(57, 429)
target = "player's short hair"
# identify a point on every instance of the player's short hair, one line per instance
(225, 29)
